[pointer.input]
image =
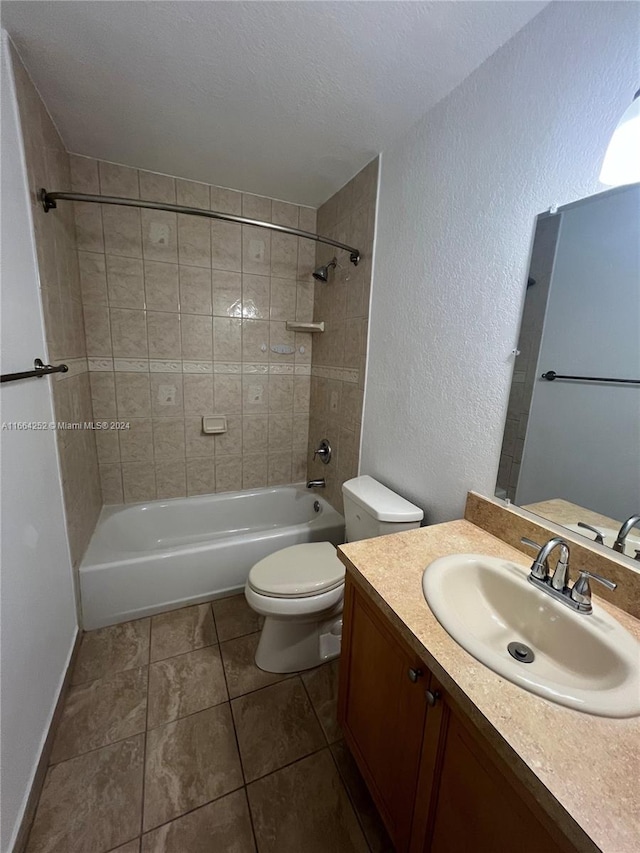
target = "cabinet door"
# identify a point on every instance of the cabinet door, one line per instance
(382, 711)
(468, 799)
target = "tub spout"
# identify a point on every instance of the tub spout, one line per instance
(316, 484)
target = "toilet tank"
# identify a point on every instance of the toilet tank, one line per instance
(371, 509)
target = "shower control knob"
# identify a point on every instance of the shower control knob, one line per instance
(414, 674)
(432, 697)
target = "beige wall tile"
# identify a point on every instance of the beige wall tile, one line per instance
(122, 234)
(255, 395)
(300, 431)
(227, 392)
(194, 241)
(171, 479)
(226, 245)
(283, 299)
(88, 221)
(254, 471)
(167, 395)
(103, 395)
(226, 201)
(227, 339)
(192, 194)
(255, 341)
(84, 174)
(301, 394)
(93, 278)
(284, 255)
(228, 474)
(280, 433)
(128, 333)
(111, 484)
(299, 466)
(118, 180)
(256, 207)
(136, 443)
(107, 446)
(168, 438)
(198, 394)
(201, 477)
(197, 337)
(157, 187)
(307, 219)
(256, 290)
(159, 236)
(132, 395)
(125, 282)
(195, 290)
(138, 481)
(278, 468)
(306, 260)
(283, 213)
(304, 348)
(256, 251)
(197, 444)
(255, 431)
(279, 336)
(163, 331)
(97, 330)
(229, 443)
(161, 286)
(280, 394)
(227, 293)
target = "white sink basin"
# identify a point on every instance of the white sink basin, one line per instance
(584, 661)
(631, 545)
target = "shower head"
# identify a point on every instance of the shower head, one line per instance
(322, 273)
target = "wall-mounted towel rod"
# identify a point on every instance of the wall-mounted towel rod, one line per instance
(49, 199)
(550, 375)
(40, 369)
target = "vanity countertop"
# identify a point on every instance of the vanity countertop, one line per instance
(582, 769)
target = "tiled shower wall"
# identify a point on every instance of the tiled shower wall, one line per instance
(181, 316)
(339, 354)
(48, 166)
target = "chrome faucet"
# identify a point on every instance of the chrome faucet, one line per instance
(316, 484)
(624, 531)
(578, 597)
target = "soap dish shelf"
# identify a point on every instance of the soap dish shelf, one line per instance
(312, 328)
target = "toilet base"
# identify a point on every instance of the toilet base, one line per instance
(291, 645)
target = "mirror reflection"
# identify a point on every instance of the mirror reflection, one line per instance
(571, 448)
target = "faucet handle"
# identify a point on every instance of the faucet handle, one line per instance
(581, 591)
(539, 570)
(599, 535)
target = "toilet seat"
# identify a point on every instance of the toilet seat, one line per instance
(300, 571)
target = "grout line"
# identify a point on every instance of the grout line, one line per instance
(351, 798)
(146, 730)
(190, 811)
(313, 708)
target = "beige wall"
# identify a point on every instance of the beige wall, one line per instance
(180, 317)
(339, 354)
(48, 166)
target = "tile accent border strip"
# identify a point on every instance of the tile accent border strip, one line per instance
(342, 374)
(154, 365)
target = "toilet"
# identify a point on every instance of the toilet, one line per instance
(300, 590)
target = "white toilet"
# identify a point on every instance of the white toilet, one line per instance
(299, 590)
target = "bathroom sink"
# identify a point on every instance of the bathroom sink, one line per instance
(584, 661)
(631, 545)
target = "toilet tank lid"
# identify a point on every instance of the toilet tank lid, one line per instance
(379, 501)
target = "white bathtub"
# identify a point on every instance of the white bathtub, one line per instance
(146, 558)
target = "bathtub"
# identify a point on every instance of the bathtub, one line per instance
(150, 557)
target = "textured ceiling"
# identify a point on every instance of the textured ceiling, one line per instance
(287, 99)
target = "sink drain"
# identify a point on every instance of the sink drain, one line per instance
(520, 652)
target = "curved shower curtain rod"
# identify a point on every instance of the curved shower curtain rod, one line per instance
(49, 200)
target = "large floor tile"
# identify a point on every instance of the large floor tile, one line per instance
(91, 803)
(275, 726)
(305, 807)
(223, 826)
(189, 763)
(181, 631)
(112, 649)
(322, 687)
(238, 657)
(370, 820)
(234, 618)
(185, 684)
(101, 712)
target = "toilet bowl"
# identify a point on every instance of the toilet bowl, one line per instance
(300, 590)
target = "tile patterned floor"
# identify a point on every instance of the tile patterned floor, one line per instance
(173, 741)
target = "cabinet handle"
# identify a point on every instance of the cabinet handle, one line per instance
(414, 674)
(432, 697)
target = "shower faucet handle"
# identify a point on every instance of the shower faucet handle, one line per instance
(323, 451)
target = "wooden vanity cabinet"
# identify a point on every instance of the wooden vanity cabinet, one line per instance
(438, 785)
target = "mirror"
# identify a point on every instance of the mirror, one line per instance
(571, 447)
